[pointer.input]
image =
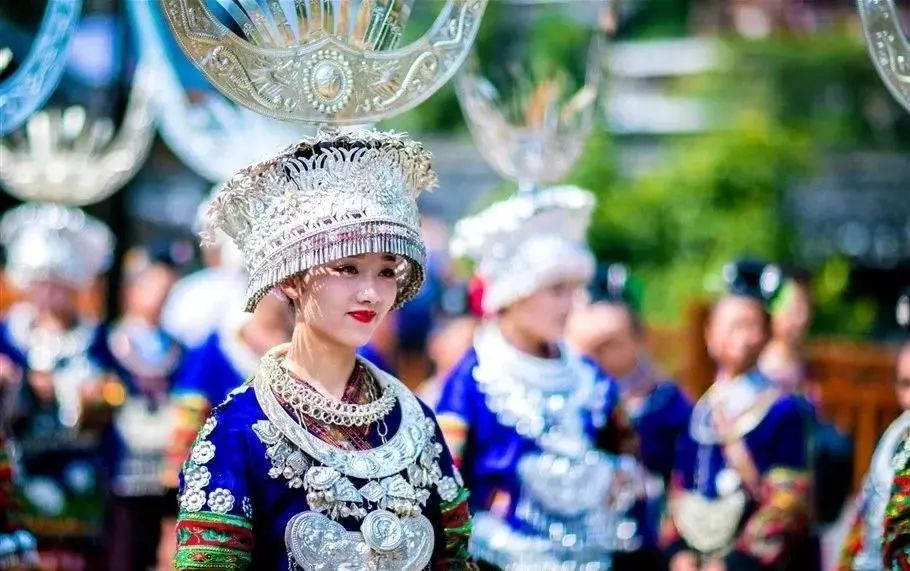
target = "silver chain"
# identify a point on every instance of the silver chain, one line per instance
(308, 402)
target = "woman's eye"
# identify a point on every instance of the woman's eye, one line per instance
(347, 270)
(387, 273)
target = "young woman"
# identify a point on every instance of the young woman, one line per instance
(529, 422)
(740, 491)
(322, 461)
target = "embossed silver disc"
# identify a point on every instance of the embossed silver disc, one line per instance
(382, 530)
(727, 482)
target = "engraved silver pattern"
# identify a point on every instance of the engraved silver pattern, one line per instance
(308, 402)
(221, 500)
(305, 77)
(318, 201)
(326, 471)
(203, 452)
(196, 477)
(192, 500)
(447, 488)
(888, 46)
(207, 428)
(317, 543)
(401, 450)
(213, 137)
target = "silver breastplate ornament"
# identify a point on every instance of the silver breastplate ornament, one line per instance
(571, 506)
(399, 476)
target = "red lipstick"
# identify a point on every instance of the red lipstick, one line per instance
(363, 316)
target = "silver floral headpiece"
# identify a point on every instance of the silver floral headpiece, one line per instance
(323, 199)
(51, 241)
(528, 242)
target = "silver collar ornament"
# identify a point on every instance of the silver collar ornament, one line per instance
(39, 73)
(571, 507)
(888, 46)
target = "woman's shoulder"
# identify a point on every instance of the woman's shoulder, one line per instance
(240, 406)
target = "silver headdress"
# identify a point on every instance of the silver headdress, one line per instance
(51, 241)
(70, 158)
(533, 136)
(328, 63)
(888, 45)
(324, 199)
(528, 242)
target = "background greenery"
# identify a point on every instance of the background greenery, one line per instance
(782, 103)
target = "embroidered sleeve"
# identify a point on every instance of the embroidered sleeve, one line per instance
(896, 545)
(190, 411)
(215, 522)
(854, 541)
(782, 518)
(457, 526)
(455, 514)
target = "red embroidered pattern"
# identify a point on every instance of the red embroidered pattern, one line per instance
(207, 540)
(896, 547)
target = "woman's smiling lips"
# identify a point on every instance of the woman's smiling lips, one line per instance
(363, 316)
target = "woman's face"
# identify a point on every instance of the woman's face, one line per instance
(736, 333)
(345, 300)
(543, 315)
(54, 295)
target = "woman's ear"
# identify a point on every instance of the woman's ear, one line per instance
(292, 287)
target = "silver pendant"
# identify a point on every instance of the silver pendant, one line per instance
(382, 530)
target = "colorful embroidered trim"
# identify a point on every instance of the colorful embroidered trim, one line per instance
(457, 527)
(782, 518)
(896, 545)
(191, 410)
(208, 540)
(853, 542)
(455, 431)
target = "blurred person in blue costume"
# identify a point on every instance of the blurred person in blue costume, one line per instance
(536, 429)
(322, 460)
(610, 331)
(147, 360)
(740, 493)
(67, 392)
(785, 362)
(862, 547)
